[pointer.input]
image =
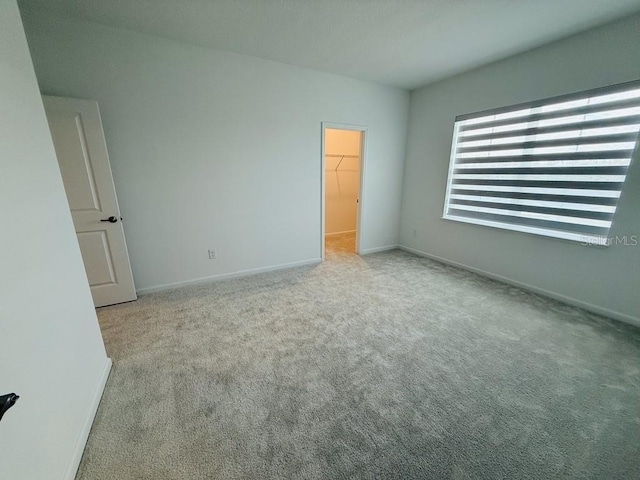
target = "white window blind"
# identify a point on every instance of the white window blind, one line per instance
(553, 167)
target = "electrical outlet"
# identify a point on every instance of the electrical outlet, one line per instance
(415, 233)
(212, 254)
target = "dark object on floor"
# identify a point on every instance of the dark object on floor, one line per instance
(6, 402)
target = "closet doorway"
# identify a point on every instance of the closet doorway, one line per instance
(343, 149)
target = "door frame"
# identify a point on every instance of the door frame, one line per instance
(361, 194)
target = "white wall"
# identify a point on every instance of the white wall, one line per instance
(605, 278)
(342, 179)
(213, 149)
(51, 351)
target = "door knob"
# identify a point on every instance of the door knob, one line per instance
(111, 219)
(6, 402)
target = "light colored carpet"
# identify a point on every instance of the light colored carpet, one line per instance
(385, 366)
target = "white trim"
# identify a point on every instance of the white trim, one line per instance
(227, 276)
(622, 317)
(339, 233)
(323, 192)
(363, 164)
(452, 167)
(364, 138)
(386, 248)
(81, 441)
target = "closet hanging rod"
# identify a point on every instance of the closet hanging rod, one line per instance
(342, 157)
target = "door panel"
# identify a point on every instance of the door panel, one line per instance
(76, 129)
(74, 160)
(97, 258)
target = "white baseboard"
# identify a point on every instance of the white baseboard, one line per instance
(369, 251)
(81, 442)
(339, 233)
(227, 276)
(623, 317)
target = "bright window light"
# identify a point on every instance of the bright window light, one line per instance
(554, 167)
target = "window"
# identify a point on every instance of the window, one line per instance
(554, 167)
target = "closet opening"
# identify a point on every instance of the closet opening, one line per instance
(342, 188)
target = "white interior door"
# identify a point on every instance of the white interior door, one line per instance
(76, 129)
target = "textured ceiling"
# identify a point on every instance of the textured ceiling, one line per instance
(406, 43)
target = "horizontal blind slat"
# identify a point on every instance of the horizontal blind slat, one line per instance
(549, 197)
(536, 209)
(536, 215)
(543, 190)
(588, 112)
(531, 142)
(541, 178)
(561, 205)
(551, 226)
(524, 128)
(564, 164)
(555, 150)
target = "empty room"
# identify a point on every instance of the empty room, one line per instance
(332, 239)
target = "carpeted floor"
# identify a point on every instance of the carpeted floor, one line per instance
(342, 243)
(387, 366)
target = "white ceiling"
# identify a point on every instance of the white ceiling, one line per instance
(406, 43)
